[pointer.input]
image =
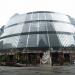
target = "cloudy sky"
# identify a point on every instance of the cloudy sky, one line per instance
(10, 7)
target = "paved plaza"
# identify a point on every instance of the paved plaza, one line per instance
(55, 70)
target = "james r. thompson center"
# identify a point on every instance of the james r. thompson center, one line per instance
(38, 38)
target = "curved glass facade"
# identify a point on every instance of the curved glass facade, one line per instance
(40, 30)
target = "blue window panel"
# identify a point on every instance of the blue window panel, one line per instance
(43, 40)
(54, 40)
(32, 41)
(25, 27)
(22, 41)
(34, 27)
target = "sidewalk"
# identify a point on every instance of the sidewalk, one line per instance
(42, 70)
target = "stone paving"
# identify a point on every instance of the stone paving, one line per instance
(54, 70)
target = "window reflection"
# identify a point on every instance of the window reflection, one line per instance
(35, 16)
(32, 41)
(66, 40)
(13, 30)
(54, 41)
(63, 27)
(59, 17)
(43, 40)
(48, 16)
(11, 42)
(17, 19)
(42, 26)
(34, 27)
(28, 17)
(22, 41)
(41, 16)
(26, 27)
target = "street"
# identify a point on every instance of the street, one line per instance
(54, 70)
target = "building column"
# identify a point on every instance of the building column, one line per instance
(49, 59)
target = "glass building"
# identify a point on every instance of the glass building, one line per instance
(35, 33)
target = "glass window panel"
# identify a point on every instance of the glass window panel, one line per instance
(17, 19)
(16, 29)
(26, 27)
(50, 26)
(42, 26)
(41, 16)
(6, 32)
(74, 36)
(11, 42)
(43, 40)
(28, 17)
(13, 30)
(59, 17)
(48, 16)
(34, 26)
(1, 44)
(54, 41)
(32, 41)
(35, 16)
(66, 40)
(63, 27)
(22, 41)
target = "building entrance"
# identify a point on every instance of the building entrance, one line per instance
(29, 58)
(54, 56)
(57, 58)
(66, 58)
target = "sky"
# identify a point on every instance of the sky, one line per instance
(9, 7)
